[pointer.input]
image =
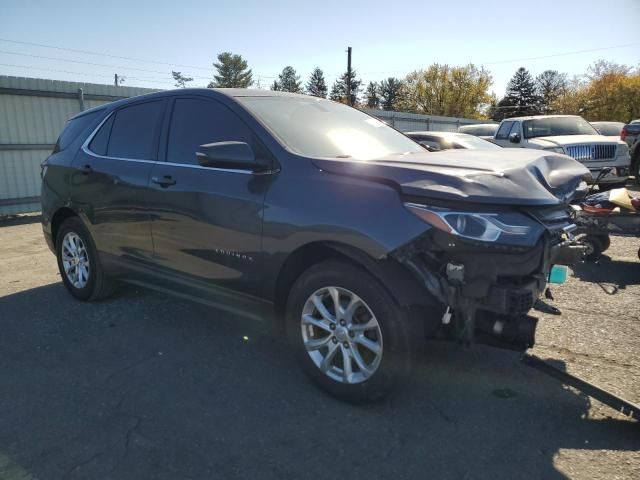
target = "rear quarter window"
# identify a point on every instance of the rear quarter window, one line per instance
(73, 129)
(101, 138)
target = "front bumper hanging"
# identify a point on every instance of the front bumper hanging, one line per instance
(617, 403)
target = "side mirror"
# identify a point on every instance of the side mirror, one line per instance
(230, 155)
(514, 138)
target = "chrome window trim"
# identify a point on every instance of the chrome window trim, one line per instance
(85, 148)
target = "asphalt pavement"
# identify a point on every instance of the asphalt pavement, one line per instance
(147, 386)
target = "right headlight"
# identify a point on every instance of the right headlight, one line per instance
(504, 227)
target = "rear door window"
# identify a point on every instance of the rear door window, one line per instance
(135, 129)
(503, 131)
(198, 121)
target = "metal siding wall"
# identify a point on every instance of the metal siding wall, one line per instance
(407, 122)
(38, 120)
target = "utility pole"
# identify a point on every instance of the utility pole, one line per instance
(115, 79)
(349, 76)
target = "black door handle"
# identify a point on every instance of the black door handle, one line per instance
(165, 181)
(86, 170)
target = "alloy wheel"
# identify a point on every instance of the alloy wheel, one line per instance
(341, 335)
(75, 260)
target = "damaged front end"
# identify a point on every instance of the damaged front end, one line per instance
(490, 266)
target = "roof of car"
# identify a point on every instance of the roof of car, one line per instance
(533, 117)
(607, 122)
(229, 92)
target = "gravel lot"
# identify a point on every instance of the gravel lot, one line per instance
(145, 386)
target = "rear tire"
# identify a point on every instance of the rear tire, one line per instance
(79, 264)
(371, 337)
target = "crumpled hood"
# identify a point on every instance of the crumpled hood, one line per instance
(519, 177)
(564, 140)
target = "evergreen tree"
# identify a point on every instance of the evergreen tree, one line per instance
(390, 93)
(498, 111)
(336, 92)
(551, 85)
(233, 72)
(339, 88)
(288, 81)
(372, 93)
(181, 80)
(316, 85)
(522, 94)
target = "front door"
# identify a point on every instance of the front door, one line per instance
(502, 135)
(110, 176)
(207, 222)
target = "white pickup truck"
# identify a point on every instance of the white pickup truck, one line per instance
(573, 136)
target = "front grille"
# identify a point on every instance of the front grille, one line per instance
(591, 152)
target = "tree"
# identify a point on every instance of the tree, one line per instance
(500, 110)
(339, 88)
(608, 91)
(390, 93)
(612, 92)
(444, 90)
(288, 81)
(316, 85)
(181, 80)
(233, 72)
(522, 94)
(373, 95)
(551, 84)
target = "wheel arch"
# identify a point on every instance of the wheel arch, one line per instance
(58, 218)
(395, 278)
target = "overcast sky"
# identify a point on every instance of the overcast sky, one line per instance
(388, 38)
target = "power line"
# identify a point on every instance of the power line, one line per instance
(88, 52)
(119, 67)
(84, 73)
(135, 59)
(564, 54)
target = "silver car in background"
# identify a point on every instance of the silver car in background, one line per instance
(485, 131)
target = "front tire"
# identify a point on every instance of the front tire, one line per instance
(347, 331)
(78, 262)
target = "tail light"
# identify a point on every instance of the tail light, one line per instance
(623, 133)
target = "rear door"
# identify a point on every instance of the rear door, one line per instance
(111, 175)
(207, 222)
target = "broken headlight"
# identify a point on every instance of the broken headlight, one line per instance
(504, 227)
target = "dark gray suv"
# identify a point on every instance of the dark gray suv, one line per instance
(351, 236)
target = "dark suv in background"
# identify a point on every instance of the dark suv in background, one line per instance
(311, 212)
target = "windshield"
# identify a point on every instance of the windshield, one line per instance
(610, 129)
(549, 127)
(480, 130)
(315, 127)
